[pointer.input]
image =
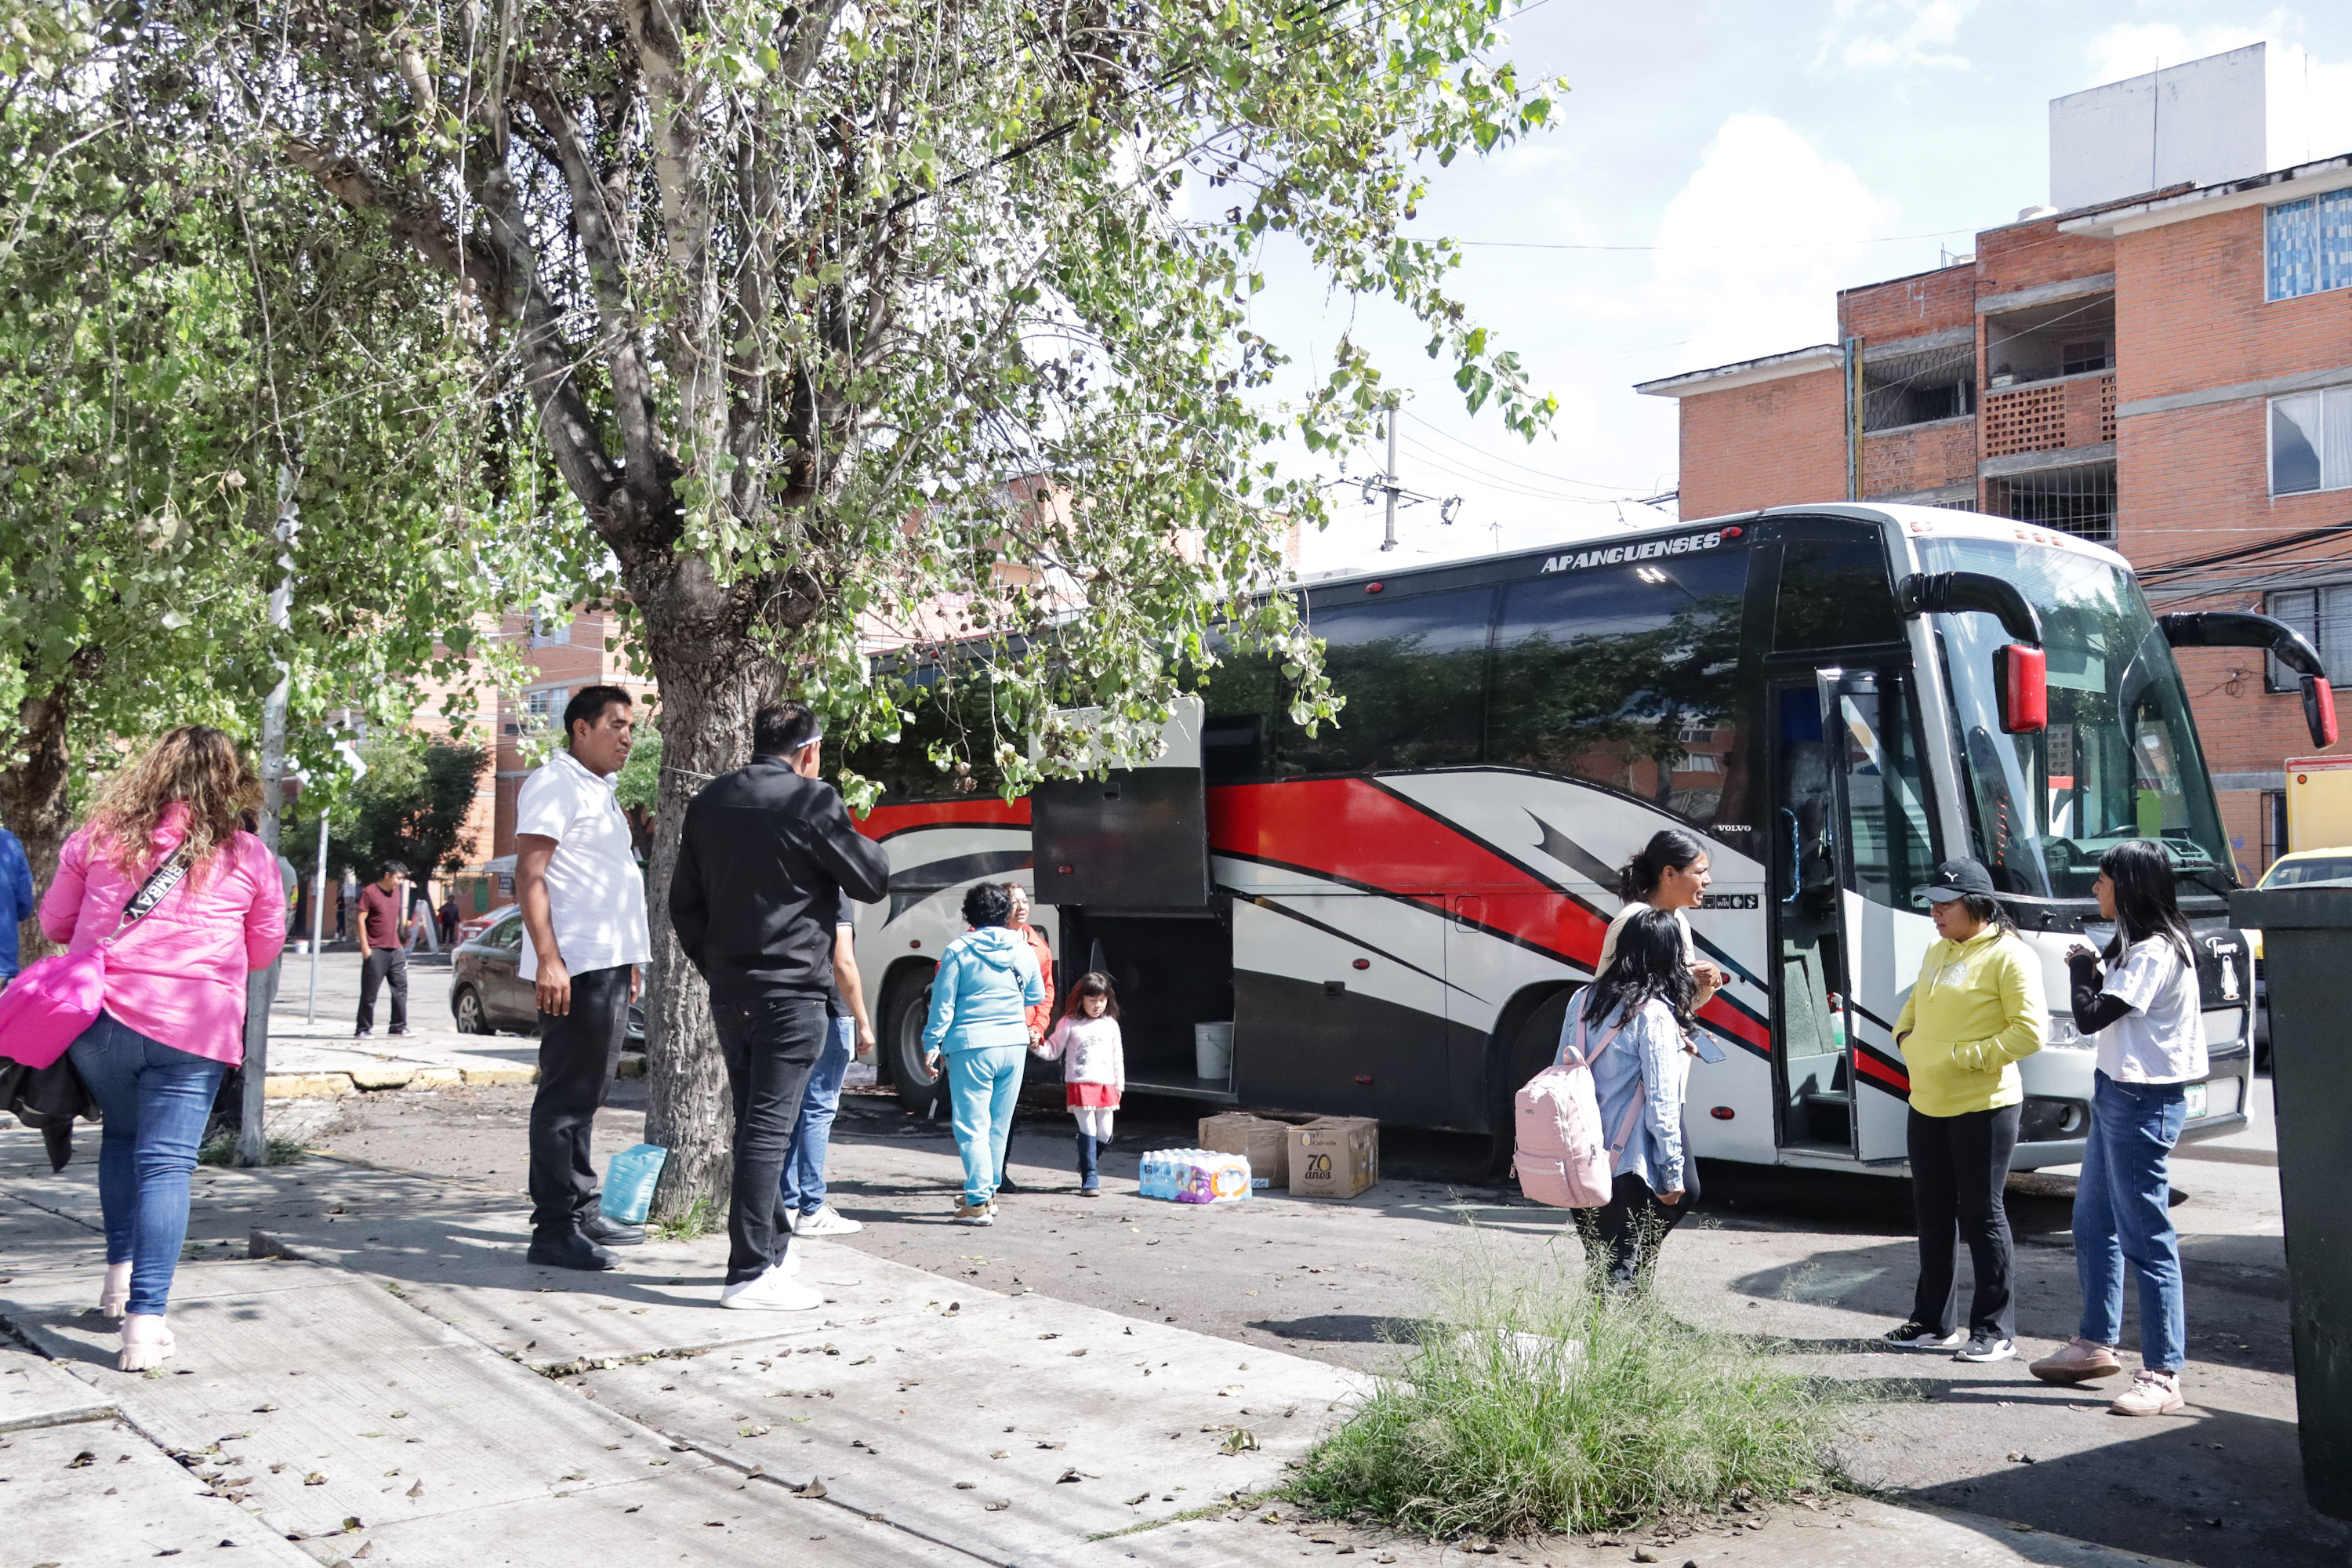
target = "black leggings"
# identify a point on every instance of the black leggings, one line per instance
(1958, 1166)
(1621, 1238)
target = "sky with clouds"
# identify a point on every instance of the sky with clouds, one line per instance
(1724, 169)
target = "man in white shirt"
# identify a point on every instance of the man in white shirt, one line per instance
(583, 915)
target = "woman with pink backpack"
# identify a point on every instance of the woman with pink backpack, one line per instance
(1633, 1026)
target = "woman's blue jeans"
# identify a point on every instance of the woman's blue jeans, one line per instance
(983, 1087)
(154, 1100)
(804, 1183)
(2123, 1212)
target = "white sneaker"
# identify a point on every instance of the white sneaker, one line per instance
(775, 1291)
(826, 1221)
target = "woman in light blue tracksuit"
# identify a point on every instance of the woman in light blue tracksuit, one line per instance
(986, 983)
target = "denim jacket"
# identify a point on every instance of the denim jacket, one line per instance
(1643, 1059)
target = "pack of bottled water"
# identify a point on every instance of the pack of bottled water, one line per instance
(1195, 1176)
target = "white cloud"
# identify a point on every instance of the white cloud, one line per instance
(1911, 33)
(1753, 249)
(2309, 100)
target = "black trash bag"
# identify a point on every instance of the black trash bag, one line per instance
(49, 1099)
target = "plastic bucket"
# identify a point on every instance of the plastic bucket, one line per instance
(1213, 1050)
(629, 1182)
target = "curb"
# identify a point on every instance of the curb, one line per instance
(341, 1085)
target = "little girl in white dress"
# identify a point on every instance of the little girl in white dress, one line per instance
(1094, 1067)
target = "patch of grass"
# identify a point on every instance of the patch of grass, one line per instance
(221, 1150)
(701, 1217)
(1532, 1404)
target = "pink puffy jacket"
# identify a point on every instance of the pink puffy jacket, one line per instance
(177, 976)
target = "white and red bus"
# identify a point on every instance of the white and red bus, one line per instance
(1394, 912)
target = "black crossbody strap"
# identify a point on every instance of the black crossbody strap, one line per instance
(160, 882)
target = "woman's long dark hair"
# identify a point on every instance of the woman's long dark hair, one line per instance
(2146, 905)
(1650, 965)
(1669, 847)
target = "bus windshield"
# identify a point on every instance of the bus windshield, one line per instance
(2120, 758)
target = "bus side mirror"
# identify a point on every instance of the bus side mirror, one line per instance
(2319, 710)
(2021, 678)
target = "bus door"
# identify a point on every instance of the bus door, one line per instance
(1850, 838)
(1810, 959)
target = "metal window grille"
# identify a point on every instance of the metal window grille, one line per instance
(2079, 501)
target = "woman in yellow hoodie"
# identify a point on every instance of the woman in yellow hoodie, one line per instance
(1977, 1009)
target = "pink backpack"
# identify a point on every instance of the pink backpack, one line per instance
(1561, 1159)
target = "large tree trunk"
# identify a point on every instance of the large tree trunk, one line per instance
(34, 799)
(713, 677)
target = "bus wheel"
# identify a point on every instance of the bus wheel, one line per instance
(905, 1008)
(1532, 1047)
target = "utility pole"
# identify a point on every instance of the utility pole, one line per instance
(1388, 539)
(261, 987)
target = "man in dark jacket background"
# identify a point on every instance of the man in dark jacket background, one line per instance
(766, 854)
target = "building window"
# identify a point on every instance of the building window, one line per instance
(2311, 441)
(2080, 500)
(2274, 828)
(2323, 615)
(545, 633)
(2308, 245)
(547, 703)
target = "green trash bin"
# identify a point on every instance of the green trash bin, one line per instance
(2306, 956)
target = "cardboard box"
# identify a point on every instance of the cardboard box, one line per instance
(1267, 1145)
(1335, 1157)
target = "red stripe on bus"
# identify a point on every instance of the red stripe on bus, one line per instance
(883, 821)
(1871, 1064)
(1742, 1026)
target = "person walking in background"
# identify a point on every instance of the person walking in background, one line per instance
(1094, 1070)
(1974, 1014)
(382, 955)
(1040, 1017)
(162, 837)
(766, 853)
(848, 1031)
(2144, 1010)
(1632, 1025)
(583, 916)
(15, 903)
(449, 918)
(981, 997)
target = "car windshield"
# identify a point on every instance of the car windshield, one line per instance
(2293, 873)
(2119, 759)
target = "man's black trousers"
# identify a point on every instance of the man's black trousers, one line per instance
(1960, 1165)
(770, 1043)
(379, 963)
(578, 1054)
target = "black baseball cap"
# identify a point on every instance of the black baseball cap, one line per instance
(1958, 879)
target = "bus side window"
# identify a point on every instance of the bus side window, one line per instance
(1834, 590)
(1627, 677)
(1410, 670)
(1239, 700)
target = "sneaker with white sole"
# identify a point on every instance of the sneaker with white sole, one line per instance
(2077, 1360)
(1987, 1347)
(974, 1213)
(775, 1291)
(826, 1221)
(2151, 1394)
(1915, 1335)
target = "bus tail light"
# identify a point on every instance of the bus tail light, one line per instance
(2023, 674)
(2319, 710)
(1723, 1113)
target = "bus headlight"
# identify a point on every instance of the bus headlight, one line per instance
(2044, 1120)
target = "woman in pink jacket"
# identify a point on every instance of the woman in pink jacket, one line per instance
(173, 1018)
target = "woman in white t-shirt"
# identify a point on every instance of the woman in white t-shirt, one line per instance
(1670, 874)
(2145, 1012)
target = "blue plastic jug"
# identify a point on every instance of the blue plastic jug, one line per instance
(629, 1182)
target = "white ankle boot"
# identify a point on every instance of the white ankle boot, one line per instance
(114, 1296)
(146, 1343)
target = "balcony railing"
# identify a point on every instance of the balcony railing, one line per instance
(2049, 415)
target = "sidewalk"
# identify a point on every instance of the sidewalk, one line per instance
(313, 1056)
(397, 1386)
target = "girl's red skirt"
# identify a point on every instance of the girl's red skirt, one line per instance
(1077, 1094)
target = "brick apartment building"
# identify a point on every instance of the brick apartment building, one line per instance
(2166, 372)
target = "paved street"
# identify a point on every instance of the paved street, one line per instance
(418, 1190)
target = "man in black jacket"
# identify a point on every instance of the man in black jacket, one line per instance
(766, 853)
